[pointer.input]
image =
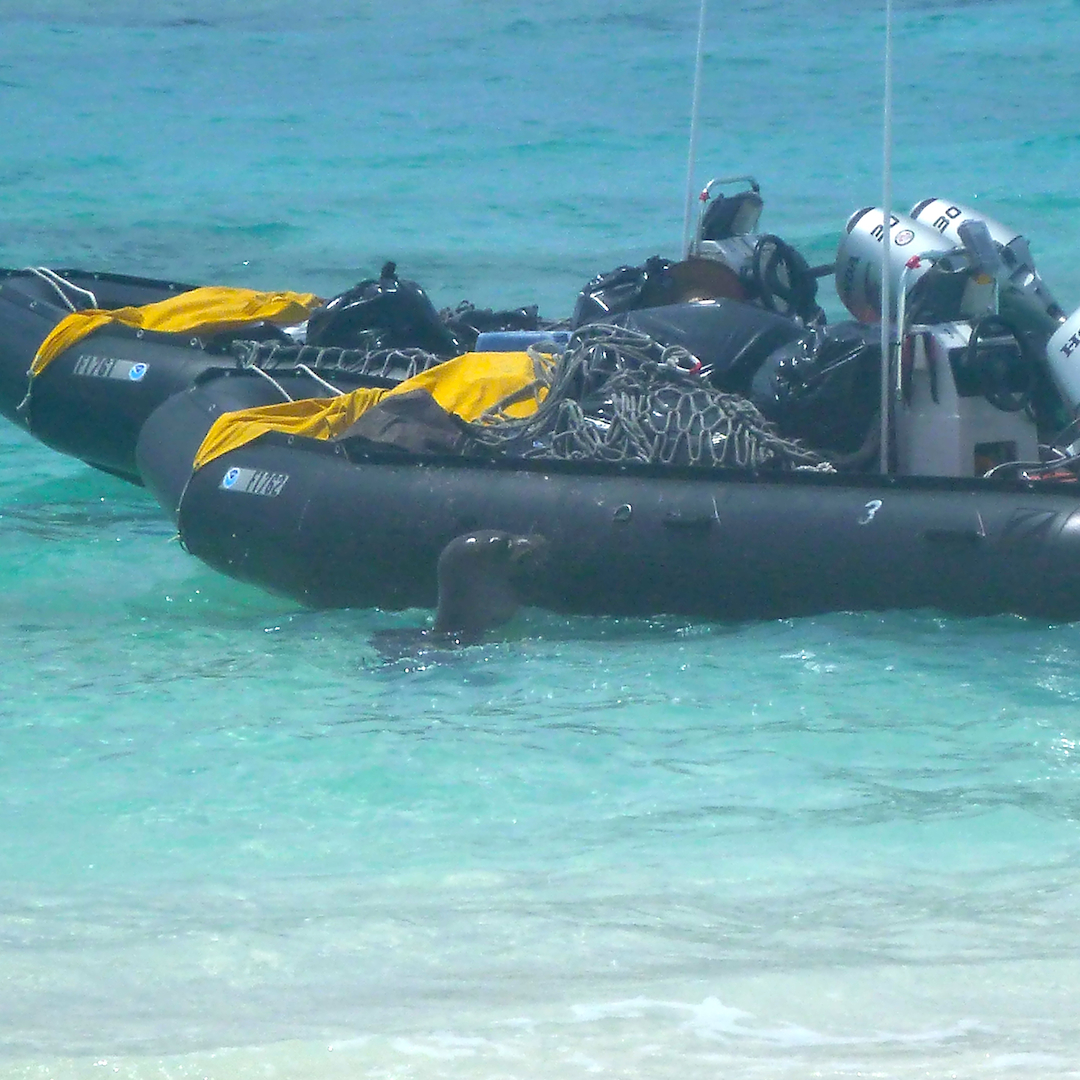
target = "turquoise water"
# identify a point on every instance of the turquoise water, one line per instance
(238, 843)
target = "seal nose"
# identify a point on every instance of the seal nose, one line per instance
(526, 547)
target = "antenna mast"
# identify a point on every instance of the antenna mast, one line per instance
(886, 245)
(692, 153)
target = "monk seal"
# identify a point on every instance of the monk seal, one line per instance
(480, 577)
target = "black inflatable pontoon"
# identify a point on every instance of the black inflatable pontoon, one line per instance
(297, 517)
(91, 400)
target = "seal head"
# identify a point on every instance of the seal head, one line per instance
(480, 575)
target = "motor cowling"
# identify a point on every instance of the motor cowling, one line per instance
(1024, 298)
(1063, 358)
(938, 282)
(383, 313)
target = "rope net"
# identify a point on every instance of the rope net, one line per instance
(616, 395)
(394, 365)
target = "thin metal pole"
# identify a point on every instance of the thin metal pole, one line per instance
(886, 247)
(692, 153)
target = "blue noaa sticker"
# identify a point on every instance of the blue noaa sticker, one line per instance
(137, 371)
(230, 478)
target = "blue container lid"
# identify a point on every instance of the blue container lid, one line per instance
(520, 340)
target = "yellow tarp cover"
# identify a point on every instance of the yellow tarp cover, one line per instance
(213, 308)
(469, 386)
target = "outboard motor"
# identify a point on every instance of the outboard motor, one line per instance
(938, 283)
(1063, 357)
(964, 379)
(1025, 299)
(388, 313)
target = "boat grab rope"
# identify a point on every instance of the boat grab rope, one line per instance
(617, 395)
(244, 351)
(273, 382)
(319, 379)
(59, 283)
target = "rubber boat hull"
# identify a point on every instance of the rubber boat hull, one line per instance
(297, 517)
(92, 400)
(86, 403)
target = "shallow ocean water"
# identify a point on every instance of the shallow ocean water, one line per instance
(239, 842)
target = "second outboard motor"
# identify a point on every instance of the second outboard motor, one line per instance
(939, 286)
(1063, 357)
(1025, 299)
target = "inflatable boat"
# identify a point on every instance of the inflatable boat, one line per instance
(86, 357)
(329, 526)
(951, 500)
